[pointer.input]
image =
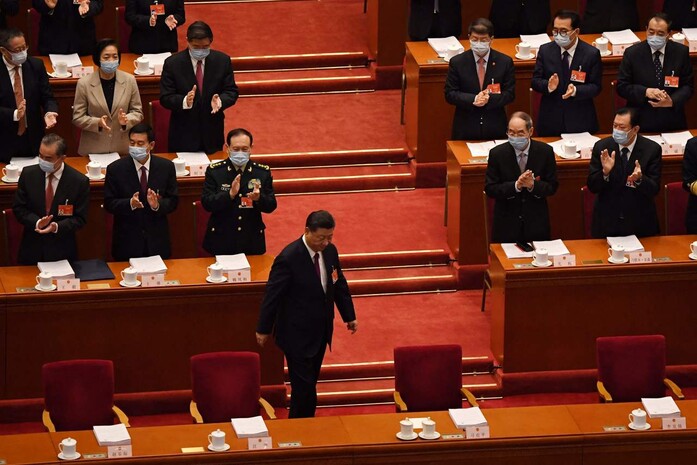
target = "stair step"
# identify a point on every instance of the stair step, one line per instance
(336, 157)
(301, 60)
(343, 179)
(394, 258)
(292, 82)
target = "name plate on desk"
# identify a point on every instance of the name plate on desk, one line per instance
(672, 149)
(477, 432)
(115, 452)
(198, 170)
(80, 71)
(71, 284)
(290, 444)
(153, 280)
(618, 49)
(640, 257)
(561, 261)
(693, 45)
(586, 153)
(239, 276)
(157, 69)
(674, 423)
(260, 443)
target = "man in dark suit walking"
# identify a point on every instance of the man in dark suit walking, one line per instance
(197, 85)
(520, 175)
(568, 73)
(51, 201)
(304, 284)
(480, 83)
(625, 173)
(656, 77)
(27, 106)
(140, 191)
(434, 18)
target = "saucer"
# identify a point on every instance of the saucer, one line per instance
(98, 178)
(692, 256)
(123, 284)
(435, 435)
(617, 262)
(63, 457)
(60, 76)
(223, 449)
(186, 173)
(542, 265)
(52, 288)
(407, 438)
(606, 53)
(9, 181)
(211, 280)
(570, 157)
(528, 57)
(647, 426)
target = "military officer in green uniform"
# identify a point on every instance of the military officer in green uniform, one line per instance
(236, 192)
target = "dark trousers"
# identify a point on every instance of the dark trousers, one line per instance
(304, 373)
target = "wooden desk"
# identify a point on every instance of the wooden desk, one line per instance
(149, 333)
(429, 117)
(27, 448)
(548, 318)
(465, 215)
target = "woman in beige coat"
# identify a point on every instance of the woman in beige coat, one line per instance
(107, 104)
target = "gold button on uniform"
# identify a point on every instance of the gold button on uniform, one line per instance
(239, 217)
(239, 228)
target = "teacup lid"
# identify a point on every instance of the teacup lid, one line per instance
(69, 441)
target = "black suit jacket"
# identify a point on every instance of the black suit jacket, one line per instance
(62, 30)
(637, 73)
(512, 18)
(30, 205)
(689, 175)
(615, 200)
(575, 114)
(462, 86)
(197, 129)
(141, 232)
(7, 8)
(421, 18)
(39, 97)
(614, 15)
(521, 216)
(680, 11)
(147, 39)
(296, 307)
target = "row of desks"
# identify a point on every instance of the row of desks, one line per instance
(571, 434)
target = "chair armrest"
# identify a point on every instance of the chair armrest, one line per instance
(674, 387)
(469, 396)
(604, 395)
(123, 418)
(193, 409)
(268, 408)
(46, 418)
(401, 405)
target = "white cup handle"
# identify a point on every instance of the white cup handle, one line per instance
(210, 439)
(631, 418)
(4, 172)
(38, 279)
(122, 275)
(517, 49)
(60, 446)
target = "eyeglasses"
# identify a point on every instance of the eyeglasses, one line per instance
(562, 32)
(520, 133)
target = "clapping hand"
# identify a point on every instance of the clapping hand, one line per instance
(135, 201)
(104, 123)
(44, 223)
(153, 19)
(569, 92)
(665, 102)
(636, 174)
(51, 119)
(235, 188)
(481, 99)
(21, 109)
(123, 119)
(216, 104)
(656, 94)
(190, 97)
(153, 199)
(553, 82)
(84, 7)
(255, 194)
(526, 180)
(51, 3)
(607, 161)
(171, 22)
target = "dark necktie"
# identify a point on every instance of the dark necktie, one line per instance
(199, 76)
(659, 68)
(143, 185)
(567, 66)
(316, 259)
(625, 160)
(19, 96)
(49, 193)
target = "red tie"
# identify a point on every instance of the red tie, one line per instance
(49, 193)
(199, 76)
(143, 184)
(19, 96)
(319, 275)
(480, 72)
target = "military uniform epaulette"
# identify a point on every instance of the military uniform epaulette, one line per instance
(218, 164)
(259, 165)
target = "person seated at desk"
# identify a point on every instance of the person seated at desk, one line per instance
(154, 25)
(625, 175)
(236, 192)
(107, 104)
(568, 73)
(51, 202)
(614, 15)
(480, 83)
(7, 8)
(689, 177)
(140, 191)
(27, 105)
(520, 175)
(512, 18)
(66, 26)
(656, 77)
(434, 18)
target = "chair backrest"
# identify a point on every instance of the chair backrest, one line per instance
(108, 234)
(581, 7)
(488, 218)
(617, 101)
(123, 30)
(13, 235)
(201, 216)
(587, 203)
(676, 208)
(79, 393)
(33, 20)
(632, 367)
(226, 385)
(535, 98)
(159, 121)
(429, 377)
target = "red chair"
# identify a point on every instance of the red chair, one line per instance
(675, 208)
(581, 7)
(13, 235)
(535, 99)
(226, 385)
(632, 367)
(159, 121)
(79, 394)
(488, 227)
(617, 101)
(201, 216)
(123, 30)
(33, 21)
(429, 378)
(588, 201)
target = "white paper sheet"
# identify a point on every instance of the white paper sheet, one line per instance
(500, 141)
(583, 139)
(104, 159)
(253, 427)
(657, 139)
(23, 162)
(677, 137)
(72, 59)
(157, 58)
(625, 36)
(630, 243)
(464, 417)
(112, 435)
(661, 407)
(58, 269)
(194, 158)
(535, 40)
(480, 149)
(147, 265)
(233, 262)
(554, 248)
(446, 45)
(690, 33)
(512, 251)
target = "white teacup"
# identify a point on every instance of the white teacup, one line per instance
(523, 49)
(406, 427)
(638, 418)
(215, 271)
(142, 65)
(11, 172)
(569, 147)
(601, 43)
(179, 166)
(44, 280)
(94, 169)
(693, 248)
(68, 448)
(60, 68)
(678, 37)
(129, 276)
(541, 256)
(616, 252)
(429, 427)
(217, 439)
